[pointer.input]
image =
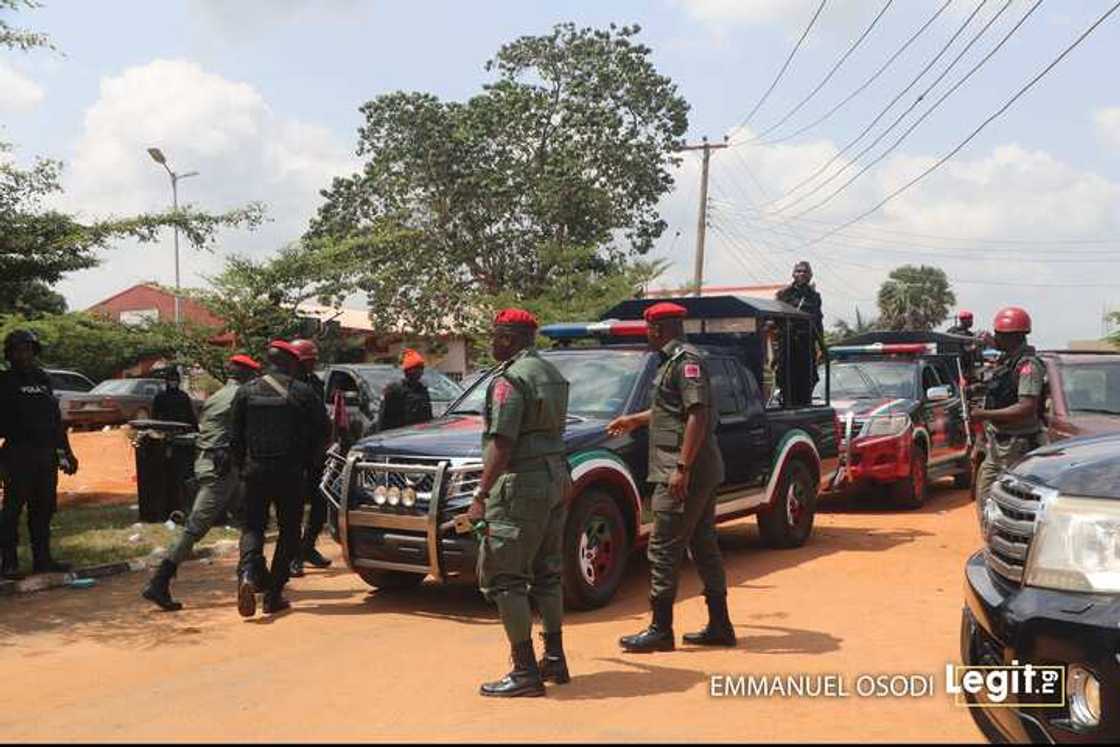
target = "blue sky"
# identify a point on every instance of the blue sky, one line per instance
(262, 97)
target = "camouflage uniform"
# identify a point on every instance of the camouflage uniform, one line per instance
(1024, 375)
(521, 556)
(681, 383)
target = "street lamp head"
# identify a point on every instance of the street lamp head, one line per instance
(189, 173)
(157, 156)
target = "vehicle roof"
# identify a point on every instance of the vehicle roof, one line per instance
(709, 307)
(65, 371)
(910, 336)
(1079, 356)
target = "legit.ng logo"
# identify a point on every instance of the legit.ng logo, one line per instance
(1011, 685)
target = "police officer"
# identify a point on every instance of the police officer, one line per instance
(686, 467)
(273, 441)
(317, 517)
(521, 496)
(173, 403)
(216, 475)
(407, 401)
(1012, 412)
(802, 295)
(963, 325)
(35, 448)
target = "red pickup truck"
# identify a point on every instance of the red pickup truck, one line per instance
(1084, 393)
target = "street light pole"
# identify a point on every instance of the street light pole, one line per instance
(158, 157)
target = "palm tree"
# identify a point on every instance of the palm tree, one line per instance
(915, 298)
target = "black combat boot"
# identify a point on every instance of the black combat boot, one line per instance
(158, 589)
(554, 665)
(315, 558)
(246, 594)
(295, 568)
(9, 564)
(274, 602)
(658, 636)
(718, 631)
(524, 681)
(42, 562)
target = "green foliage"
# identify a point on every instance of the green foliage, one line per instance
(32, 300)
(99, 348)
(842, 330)
(1114, 337)
(915, 298)
(21, 39)
(458, 202)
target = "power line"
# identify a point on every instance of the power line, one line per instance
(921, 74)
(983, 60)
(826, 78)
(874, 76)
(785, 65)
(1018, 94)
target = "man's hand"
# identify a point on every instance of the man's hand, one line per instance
(477, 511)
(978, 414)
(621, 425)
(678, 484)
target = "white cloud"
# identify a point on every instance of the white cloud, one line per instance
(1107, 122)
(1009, 192)
(225, 130)
(18, 93)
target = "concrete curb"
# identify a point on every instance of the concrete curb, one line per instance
(45, 581)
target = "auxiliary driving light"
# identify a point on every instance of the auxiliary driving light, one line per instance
(1084, 691)
(379, 495)
(408, 497)
(394, 495)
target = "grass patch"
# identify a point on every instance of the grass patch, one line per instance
(93, 535)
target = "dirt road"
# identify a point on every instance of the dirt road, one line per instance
(875, 591)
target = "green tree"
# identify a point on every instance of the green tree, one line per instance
(842, 330)
(1114, 337)
(915, 298)
(15, 38)
(571, 146)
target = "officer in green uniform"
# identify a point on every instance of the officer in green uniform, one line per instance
(686, 468)
(1013, 406)
(521, 499)
(217, 479)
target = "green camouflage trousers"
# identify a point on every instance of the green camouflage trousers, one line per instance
(215, 494)
(693, 528)
(522, 554)
(1001, 453)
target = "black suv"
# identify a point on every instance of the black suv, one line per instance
(1045, 590)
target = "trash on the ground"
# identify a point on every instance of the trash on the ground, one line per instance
(137, 525)
(169, 524)
(82, 583)
(106, 429)
(134, 537)
(135, 506)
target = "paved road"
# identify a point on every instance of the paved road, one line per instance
(875, 590)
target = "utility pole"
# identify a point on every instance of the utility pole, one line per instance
(158, 157)
(702, 220)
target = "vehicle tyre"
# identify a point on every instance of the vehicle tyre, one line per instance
(789, 521)
(911, 492)
(596, 548)
(391, 580)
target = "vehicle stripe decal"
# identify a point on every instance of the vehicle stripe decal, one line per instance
(791, 439)
(586, 461)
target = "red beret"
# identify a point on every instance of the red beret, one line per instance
(518, 317)
(665, 310)
(411, 359)
(246, 361)
(286, 346)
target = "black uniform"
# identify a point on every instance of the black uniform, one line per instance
(804, 298)
(958, 330)
(31, 425)
(175, 405)
(404, 403)
(273, 442)
(322, 434)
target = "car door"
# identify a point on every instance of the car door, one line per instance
(732, 429)
(757, 426)
(942, 418)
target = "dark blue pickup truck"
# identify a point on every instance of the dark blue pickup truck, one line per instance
(397, 493)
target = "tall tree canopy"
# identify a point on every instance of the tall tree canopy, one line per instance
(571, 147)
(917, 298)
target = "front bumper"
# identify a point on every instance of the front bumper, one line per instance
(882, 459)
(1003, 622)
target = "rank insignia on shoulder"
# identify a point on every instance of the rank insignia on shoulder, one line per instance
(1026, 368)
(502, 391)
(692, 370)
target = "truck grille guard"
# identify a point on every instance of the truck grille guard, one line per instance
(449, 483)
(1008, 519)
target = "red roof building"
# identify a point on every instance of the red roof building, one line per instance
(148, 302)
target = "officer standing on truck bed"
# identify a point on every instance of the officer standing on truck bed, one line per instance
(272, 445)
(802, 295)
(1013, 405)
(686, 467)
(35, 449)
(407, 401)
(521, 496)
(317, 516)
(216, 475)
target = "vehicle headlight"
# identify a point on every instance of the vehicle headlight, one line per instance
(1076, 546)
(1084, 691)
(408, 497)
(379, 495)
(394, 495)
(885, 425)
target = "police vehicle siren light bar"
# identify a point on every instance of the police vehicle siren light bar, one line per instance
(608, 328)
(879, 348)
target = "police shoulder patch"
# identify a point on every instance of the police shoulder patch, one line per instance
(502, 390)
(1026, 368)
(691, 370)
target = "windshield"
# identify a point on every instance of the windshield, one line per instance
(888, 379)
(599, 382)
(1092, 387)
(116, 386)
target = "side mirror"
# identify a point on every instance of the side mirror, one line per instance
(939, 393)
(351, 398)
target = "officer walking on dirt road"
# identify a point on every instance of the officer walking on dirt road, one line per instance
(317, 516)
(216, 475)
(272, 444)
(521, 496)
(35, 449)
(1013, 406)
(686, 467)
